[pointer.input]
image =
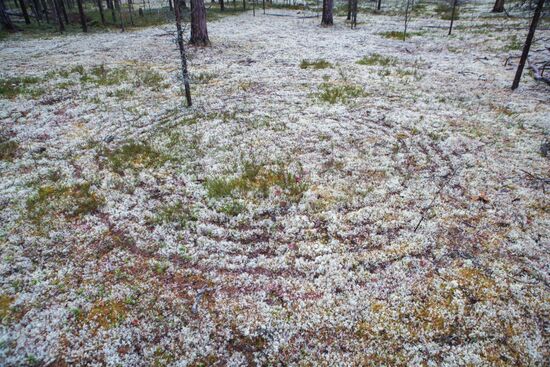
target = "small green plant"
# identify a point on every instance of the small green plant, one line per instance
(8, 149)
(12, 87)
(316, 64)
(134, 155)
(101, 75)
(513, 44)
(71, 202)
(179, 213)
(255, 179)
(377, 59)
(150, 78)
(232, 208)
(202, 78)
(340, 93)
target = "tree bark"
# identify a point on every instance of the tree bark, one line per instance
(82, 16)
(23, 6)
(379, 5)
(527, 45)
(59, 16)
(111, 6)
(45, 10)
(170, 5)
(326, 19)
(183, 58)
(222, 5)
(199, 32)
(37, 10)
(5, 20)
(130, 8)
(100, 7)
(499, 6)
(62, 6)
(349, 10)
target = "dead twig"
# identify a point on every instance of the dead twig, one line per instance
(441, 187)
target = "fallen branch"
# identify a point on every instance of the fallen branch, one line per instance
(451, 175)
(537, 73)
(198, 297)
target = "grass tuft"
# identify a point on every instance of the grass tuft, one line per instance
(255, 179)
(377, 59)
(134, 155)
(316, 64)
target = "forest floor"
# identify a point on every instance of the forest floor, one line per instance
(333, 197)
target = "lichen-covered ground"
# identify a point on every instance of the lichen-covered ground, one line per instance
(333, 198)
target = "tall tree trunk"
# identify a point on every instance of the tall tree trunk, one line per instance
(199, 32)
(527, 45)
(354, 14)
(499, 6)
(130, 8)
(452, 17)
(379, 4)
(349, 10)
(326, 19)
(37, 10)
(100, 8)
(59, 16)
(117, 5)
(62, 6)
(5, 20)
(244, 4)
(24, 11)
(82, 16)
(183, 58)
(222, 5)
(113, 10)
(170, 5)
(45, 11)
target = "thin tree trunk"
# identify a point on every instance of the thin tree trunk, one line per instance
(326, 19)
(130, 7)
(59, 16)
(37, 10)
(244, 4)
(349, 10)
(113, 10)
(499, 6)
(45, 11)
(452, 17)
(183, 58)
(379, 4)
(354, 14)
(82, 16)
(5, 19)
(170, 5)
(199, 31)
(527, 45)
(222, 5)
(100, 7)
(23, 6)
(117, 4)
(406, 19)
(62, 6)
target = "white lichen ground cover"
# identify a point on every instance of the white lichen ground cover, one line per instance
(267, 225)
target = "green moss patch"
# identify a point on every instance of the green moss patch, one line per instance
(316, 64)
(71, 202)
(255, 179)
(134, 155)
